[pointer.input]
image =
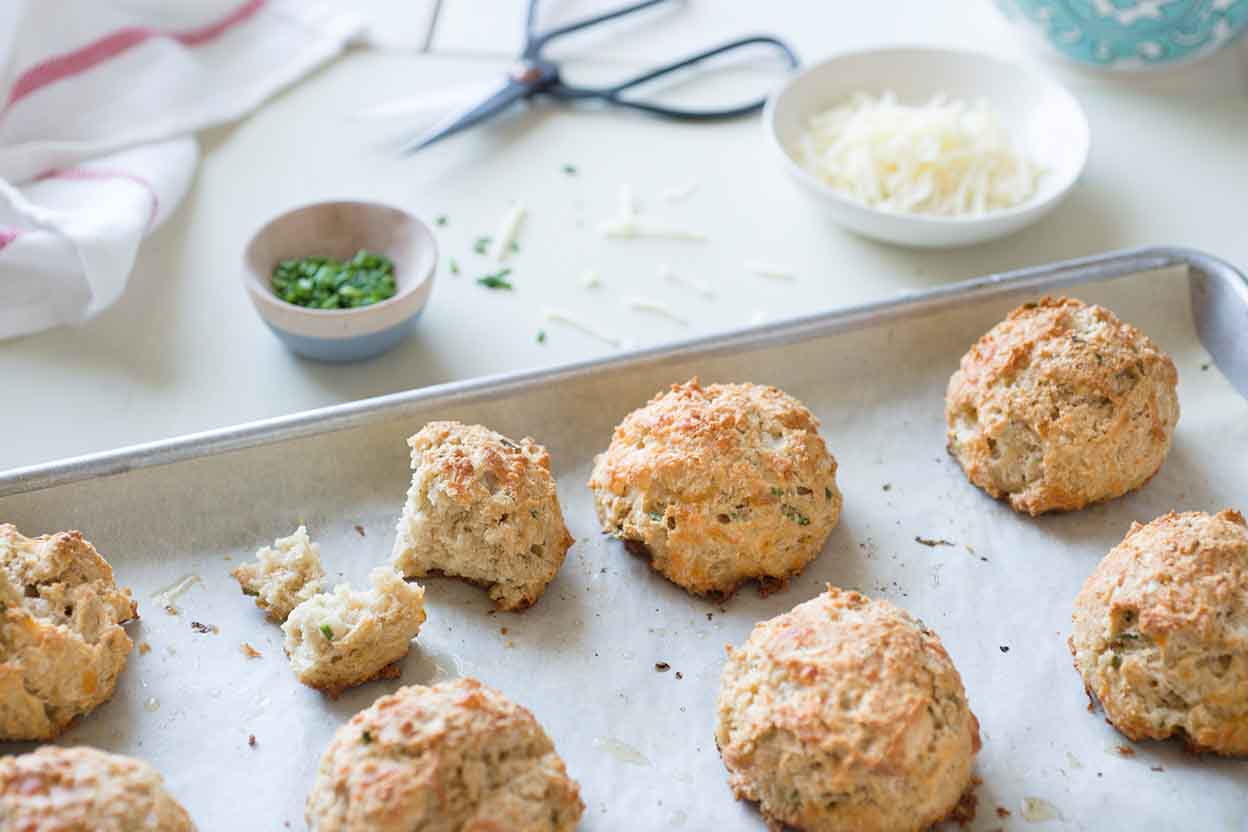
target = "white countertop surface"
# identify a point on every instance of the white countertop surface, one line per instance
(184, 351)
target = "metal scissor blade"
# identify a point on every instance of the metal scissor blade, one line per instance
(509, 92)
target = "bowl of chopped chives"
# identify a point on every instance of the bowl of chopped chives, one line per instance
(341, 281)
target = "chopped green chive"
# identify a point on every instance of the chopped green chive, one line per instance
(541, 336)
(328, 632)
(533, 513)
(656, 516)
(482, 244)
(440, 220)
(498, 280)
(827, 493)
(795, 515)
(513, 246)
(777, 492)
(570, 170)
(454, 264)
(366, 737)
(325, 283)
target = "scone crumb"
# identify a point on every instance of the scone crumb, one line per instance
(249, 651)
(144, 648)
(251, 740)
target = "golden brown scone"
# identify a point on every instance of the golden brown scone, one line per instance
(84, 790)
(1061, 405)
(283, 575)
(1160, 631)
(718, 485)
(62, 645)
(846, 714)
(340, 639)
(483, 508)
(454, 756)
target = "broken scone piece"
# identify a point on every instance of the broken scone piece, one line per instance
(283, 575)
(346, 637)
(482, 508)
(62, 645)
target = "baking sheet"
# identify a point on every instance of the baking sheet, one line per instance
(583, 659)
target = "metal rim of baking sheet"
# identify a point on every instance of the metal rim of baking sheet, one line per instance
(1219, 305)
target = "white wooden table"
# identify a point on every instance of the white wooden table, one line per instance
(184, 351)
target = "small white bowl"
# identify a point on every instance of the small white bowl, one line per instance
(1039, 113)
(339, 230)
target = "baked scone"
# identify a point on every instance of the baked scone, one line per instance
(1160, 632)
(454, 756)
(346, 637)
(846, 714)
(483, 508)
(1061, 405)
(62, 645)
(81, 789)
(718, 485)
(283, 575)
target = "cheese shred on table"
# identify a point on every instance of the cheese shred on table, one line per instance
(944, 158)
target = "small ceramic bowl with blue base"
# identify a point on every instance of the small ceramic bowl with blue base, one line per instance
(1130, 34)
(339, 230)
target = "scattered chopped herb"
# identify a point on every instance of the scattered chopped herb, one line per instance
(1155, 768)
(440, 220)
(827, 493)
(679, 675)
(795, 515)
(541, 336)
(1005, 648)
(1116, 661)
(325, 283)
(777, 492)
(366, 737)
(482, 244)
(570, 170)
(932, 542)
(662, 667)
(656, 516)
(513, 246)
(888, 486)
(204, 628)
(498, 280)
(1204, 367)
(533, 513)
(454, 265)
(328, 632)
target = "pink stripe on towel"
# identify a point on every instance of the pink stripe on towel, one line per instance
(97, 52)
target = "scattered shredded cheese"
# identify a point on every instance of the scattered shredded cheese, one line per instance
(699, 286)
(944, 158)
(654, 307)
(590, 279)
(630, 229)
(500, 247)
(559, 316)
(679, 192)
(763, 269)
(628, 204)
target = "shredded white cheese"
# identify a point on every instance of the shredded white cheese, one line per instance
(507, 230)
(699, 286)
(679, 192)
(773, 270)
(944, 158)
(559, 316)
(630, 229)
(656, 308)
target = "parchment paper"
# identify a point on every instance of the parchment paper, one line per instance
(583, 659)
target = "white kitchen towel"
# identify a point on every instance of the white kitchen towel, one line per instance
(99, 100)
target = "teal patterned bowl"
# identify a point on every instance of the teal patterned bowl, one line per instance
(1130, 34)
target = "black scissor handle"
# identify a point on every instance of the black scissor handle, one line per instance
(615, 93)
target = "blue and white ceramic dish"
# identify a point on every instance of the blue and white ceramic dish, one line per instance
(339, 230)
(1130, 34)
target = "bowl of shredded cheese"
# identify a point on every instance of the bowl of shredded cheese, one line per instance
(930, 148)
